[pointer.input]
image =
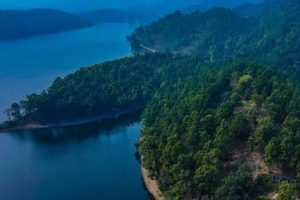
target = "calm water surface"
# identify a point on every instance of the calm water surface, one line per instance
(89, 162)
(30, 65)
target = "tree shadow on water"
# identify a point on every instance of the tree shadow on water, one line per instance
(63, 135)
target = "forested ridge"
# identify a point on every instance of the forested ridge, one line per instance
(114, 86)
(221, 100)
(208, 127)
(16, 24)
(200, 135)
(269, 33)
(90, 91)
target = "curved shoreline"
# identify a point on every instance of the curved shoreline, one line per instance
(101, 118)
(151, 185)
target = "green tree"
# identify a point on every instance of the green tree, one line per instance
(271, 155)
(238, 186)
(240, 127)
(264, 132)
(287, 191)
(16, 111)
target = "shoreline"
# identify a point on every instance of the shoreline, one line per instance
(101, 118)
(151, 185)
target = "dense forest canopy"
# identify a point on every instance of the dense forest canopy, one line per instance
(221, 97)
(90, 91)
(267, 32)
(113, 86)
(203, 129)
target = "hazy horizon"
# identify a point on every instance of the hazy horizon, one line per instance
(77, 5)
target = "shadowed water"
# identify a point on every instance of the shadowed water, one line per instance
(93, 161)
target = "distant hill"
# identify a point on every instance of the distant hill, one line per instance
(111, 15)
(159, 10)
(221, 33)
(214, 126)
(17, 24)
(228, 3)
(244, 8)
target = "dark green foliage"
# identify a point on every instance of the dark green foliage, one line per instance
(198, 113)
(271, 155)
(263, 184)
(15, 111)
(109, 87)
(271, 36)
(264, 132)
(240, 127)
(201, 33)
(289, 140)
(238, 186)
(287, 191)
(191, 130)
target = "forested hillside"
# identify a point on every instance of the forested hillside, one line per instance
(115, 86)
(90, 91)
(209, 128)
(222, 115)
(271, 36)
(17, 24)
(220, 133)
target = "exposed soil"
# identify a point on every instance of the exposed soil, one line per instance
(152, 185)
(254, 160)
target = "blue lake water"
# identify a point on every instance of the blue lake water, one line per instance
(30, 65)
(90, 162)
(87, 162)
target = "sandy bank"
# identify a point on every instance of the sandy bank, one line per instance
(152, 185)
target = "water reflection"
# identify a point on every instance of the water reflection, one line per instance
(63, 135)
(90, 161)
